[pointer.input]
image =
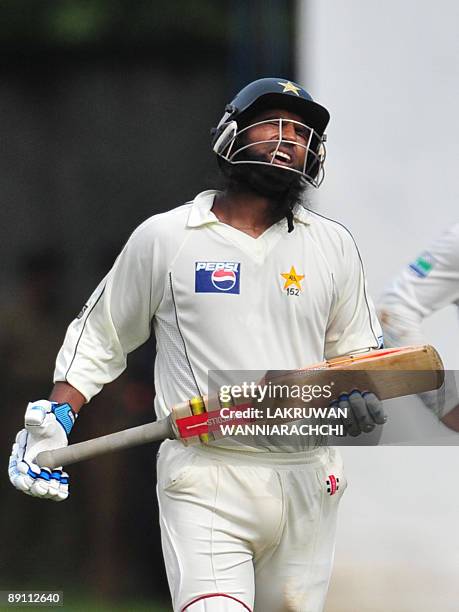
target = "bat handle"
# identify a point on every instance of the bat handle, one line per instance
(151, 432)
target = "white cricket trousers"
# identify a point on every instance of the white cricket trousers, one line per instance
(258, 528)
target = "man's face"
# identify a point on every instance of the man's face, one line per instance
(280, 143)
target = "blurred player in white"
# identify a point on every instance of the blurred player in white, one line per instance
(426, 285)
(240, 279)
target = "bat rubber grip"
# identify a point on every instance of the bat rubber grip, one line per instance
(151, 432)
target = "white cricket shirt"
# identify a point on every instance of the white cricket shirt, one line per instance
(220, 299)
(426, 285)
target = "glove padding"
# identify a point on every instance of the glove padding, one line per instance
(364, 411)
(47, 426)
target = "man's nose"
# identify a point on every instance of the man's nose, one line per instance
(287, 129)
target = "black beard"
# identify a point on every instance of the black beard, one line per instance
(283, 189)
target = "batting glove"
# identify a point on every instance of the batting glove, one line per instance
(47, 426)
(364, 411)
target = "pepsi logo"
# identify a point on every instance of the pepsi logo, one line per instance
(223, 280)
(217, 277)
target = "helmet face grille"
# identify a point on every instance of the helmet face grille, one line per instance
(283, 150)
(233, 145)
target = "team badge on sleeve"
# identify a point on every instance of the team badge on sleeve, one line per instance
(217, 277)
(423, 265)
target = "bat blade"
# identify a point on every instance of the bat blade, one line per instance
(387, 372)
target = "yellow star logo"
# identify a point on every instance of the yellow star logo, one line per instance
(289, 87)
(292, 278)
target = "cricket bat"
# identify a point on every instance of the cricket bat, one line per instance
(388, 373)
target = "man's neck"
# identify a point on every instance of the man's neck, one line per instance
(246, 211)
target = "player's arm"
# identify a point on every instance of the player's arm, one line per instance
(451, 419)
(426, 285)
(63, 393)
(353, 327)
(115, 321)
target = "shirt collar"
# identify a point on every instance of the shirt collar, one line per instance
(302, 215)
(201, 213)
